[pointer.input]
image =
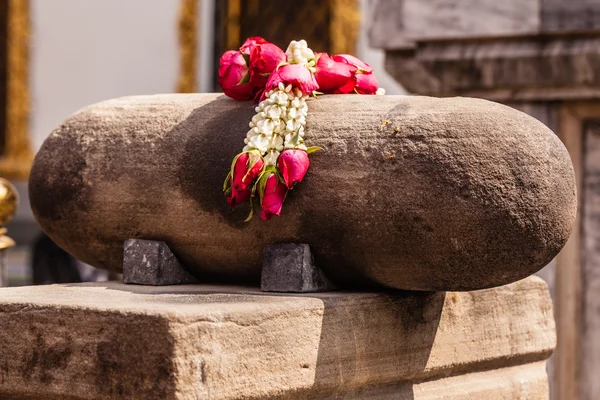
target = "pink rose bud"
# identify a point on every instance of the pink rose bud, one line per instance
(366, 83)
(232, 73)
(334, 75)
(272, 197)
(237, 196)
(296, 75)
(246, 169)
(264, 59)
(293, 165)
(347, 58)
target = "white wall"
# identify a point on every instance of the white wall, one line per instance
(85, 51)
(206, 42)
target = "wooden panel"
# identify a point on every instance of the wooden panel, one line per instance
(398, 24)
(590, 384)
(568, 276)
(328, 26)
(570, 15)
(278, 22)
(15, 160)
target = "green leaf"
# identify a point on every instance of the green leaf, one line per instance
(312, 149)
(245, 79)
(233, 164)
(227, 182)
(246, 58)
(249, 217)
(295, 139)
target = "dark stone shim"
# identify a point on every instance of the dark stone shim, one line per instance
(290, 267)
(150, 262)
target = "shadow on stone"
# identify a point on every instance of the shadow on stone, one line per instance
(406, 327)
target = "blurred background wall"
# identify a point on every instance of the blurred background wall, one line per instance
(540, 56)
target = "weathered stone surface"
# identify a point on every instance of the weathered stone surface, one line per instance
(410, 192)
(290, 268)
(397, 24)
(401, 24)
(116, 341)
(533, 68)
(151, 262)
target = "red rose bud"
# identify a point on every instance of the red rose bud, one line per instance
(237, 196)
(272, 197)
(264, 59)
(333, 75)
(250, 43)
(232, 72)
(246, 169)
(293, 165)
(295, 74)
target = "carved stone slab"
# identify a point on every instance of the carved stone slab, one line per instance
(397, 24)
(108, 340)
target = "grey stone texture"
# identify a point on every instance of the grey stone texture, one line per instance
(509, 51)
(399, 24)
(534, 68)
(290, 267)
(410, 192)
(151, 262)
(402, 24)
(108, 340)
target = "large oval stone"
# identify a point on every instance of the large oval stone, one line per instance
(411, 192)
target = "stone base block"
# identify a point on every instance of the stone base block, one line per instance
(116, 341)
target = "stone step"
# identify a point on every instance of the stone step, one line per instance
(110, 340)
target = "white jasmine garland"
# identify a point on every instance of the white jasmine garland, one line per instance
(275, 159)
(278, 124)
(299, 53)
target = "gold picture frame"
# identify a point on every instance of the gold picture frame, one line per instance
(16, 159)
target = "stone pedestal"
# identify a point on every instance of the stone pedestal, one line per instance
(541, 57)
(116, 341)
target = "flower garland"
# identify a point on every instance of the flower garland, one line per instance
(275, 158)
